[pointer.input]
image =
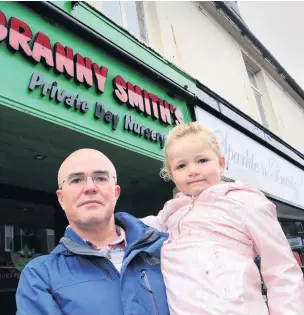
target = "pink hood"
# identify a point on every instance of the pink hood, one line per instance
(208, 261)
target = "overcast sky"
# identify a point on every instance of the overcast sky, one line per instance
(280, 27)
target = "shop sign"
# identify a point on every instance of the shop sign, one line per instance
(78, 103)
(62, 59)
(251, 162)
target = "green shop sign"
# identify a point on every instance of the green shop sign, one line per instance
(62, 78)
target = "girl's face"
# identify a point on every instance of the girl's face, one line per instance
(193, 165)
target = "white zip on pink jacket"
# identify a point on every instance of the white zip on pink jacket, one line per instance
(208, 260)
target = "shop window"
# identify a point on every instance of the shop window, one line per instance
(299, 227)
(292, 228)
(14, 238)
(128, 14)
(256, 93)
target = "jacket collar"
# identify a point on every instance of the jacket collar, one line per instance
(136, 233)
(220, 189)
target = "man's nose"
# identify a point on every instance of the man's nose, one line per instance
(89, 186)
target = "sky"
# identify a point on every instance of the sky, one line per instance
(280, 27)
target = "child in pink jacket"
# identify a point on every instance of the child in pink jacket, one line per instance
(215, 232)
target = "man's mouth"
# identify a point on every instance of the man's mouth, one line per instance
(93, 202)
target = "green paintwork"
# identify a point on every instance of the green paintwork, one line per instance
(16, 72)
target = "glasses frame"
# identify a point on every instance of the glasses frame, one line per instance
(96, 173)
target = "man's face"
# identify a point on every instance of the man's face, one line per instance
(88, 193)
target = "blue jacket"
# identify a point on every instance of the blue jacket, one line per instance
(76, 280)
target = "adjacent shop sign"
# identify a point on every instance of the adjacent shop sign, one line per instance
(37, 48)
(251, 162)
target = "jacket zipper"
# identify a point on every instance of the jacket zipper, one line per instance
(149, 289)
(129, 255)
(141, 243)
(190, 208)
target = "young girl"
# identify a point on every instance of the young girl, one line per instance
(216, 230)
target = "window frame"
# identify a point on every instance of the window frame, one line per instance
(141, 28)
(255, 89)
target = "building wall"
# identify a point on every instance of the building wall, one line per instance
(290, 115)
(196, 42)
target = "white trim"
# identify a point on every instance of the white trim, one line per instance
(123, 15)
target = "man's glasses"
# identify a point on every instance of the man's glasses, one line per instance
(81, 179)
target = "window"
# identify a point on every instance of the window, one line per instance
(14, 237)
(299, 227)
(128, 14)
(8, 237)
(257, 95)
(292, 228)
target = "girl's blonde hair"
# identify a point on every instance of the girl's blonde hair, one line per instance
(178, 132)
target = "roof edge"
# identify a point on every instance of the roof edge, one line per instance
(265, 53)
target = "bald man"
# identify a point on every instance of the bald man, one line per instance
(105, 263)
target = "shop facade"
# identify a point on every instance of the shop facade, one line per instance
(66, 85)
(60, 91)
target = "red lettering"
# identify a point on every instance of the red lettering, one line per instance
(100, 75)
(154, 100)
(147, 103)
(165, 112)
(19, 36)
(3, 28)
(64, 60)
(83, 70)
(178, 117)
(42, 48)
(120, 86)
(135, 97)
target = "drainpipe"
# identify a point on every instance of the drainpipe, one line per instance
(245, 31)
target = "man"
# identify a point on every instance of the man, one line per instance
(104, 264)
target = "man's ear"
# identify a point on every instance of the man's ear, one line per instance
(117, 191)
(222, 164)
(60, 198)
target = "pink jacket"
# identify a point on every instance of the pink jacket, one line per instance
(208, 260)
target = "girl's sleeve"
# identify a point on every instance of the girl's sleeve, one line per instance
(158, 222)
(281, 273)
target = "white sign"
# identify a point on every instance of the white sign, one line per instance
(252, 163)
